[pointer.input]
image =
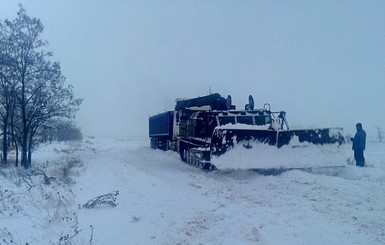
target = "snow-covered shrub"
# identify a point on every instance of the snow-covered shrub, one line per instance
(106, 199)
(65, 170)
(9, 202)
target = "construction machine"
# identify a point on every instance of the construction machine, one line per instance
(211, 133)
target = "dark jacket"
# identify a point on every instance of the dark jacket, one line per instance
(359, 140)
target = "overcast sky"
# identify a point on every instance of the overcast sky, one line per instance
(323, 62)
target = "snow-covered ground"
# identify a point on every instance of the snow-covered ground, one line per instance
(164, 201)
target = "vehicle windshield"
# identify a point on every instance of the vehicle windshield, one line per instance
(262, 120)
(226, 120)
(245, 120)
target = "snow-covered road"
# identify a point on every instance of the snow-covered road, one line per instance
(164, 201)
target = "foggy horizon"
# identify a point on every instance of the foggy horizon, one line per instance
(322, 62)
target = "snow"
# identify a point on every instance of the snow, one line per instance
(164, 201)
(243, 126)
(264, 156)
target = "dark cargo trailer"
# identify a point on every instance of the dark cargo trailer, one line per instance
(161, 129)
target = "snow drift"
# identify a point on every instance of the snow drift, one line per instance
(165, 201)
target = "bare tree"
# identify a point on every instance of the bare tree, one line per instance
(7, 92)
(40, 90)
(66, 130)
(7, 106)
(380, 134)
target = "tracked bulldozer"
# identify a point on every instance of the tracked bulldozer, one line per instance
(211, 133)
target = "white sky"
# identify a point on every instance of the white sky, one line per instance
(323, 62)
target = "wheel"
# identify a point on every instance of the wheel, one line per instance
(189, 157)
(183, 155)
(154, 143)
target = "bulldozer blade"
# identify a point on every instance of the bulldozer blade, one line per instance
(314, 136)
(288, 149)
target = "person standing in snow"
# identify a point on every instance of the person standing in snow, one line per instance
(359, 143)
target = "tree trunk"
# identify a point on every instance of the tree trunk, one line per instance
(17, 154)
(24, 151)
(5, 143)
(14, 139)
(29, 157)
(24, 136)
